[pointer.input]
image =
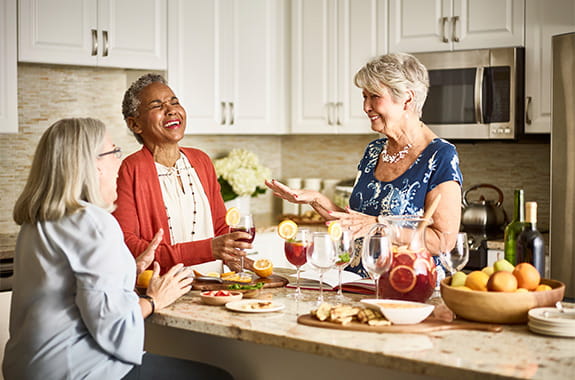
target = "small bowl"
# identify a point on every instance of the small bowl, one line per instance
(400, 312)
(209, 298)
(498, 307)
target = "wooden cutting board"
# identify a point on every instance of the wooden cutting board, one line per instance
(273, 281)
(429, 325)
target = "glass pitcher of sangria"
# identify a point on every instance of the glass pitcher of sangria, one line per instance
(412, 274)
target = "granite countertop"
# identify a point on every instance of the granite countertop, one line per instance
(513, 353)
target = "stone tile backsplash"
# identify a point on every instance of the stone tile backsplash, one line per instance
(47, 93)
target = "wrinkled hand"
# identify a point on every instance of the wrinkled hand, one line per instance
(144, 260)
(289, 194)
(228, 248)
(236, 265)
(357, 222)
(169, 287)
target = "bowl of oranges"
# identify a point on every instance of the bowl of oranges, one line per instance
(503, 293)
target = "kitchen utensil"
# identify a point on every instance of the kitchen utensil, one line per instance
(484, 214)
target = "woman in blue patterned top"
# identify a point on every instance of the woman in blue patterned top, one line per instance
(402, 172)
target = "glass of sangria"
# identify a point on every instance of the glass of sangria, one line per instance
(296, 253)
(245, 224)
(412, 274)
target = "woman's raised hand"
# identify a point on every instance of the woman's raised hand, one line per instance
(357, 222)
(172, 285)
(289, 194)
(144, 260)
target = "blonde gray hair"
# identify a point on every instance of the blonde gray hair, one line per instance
(397, 72)
(63, 172)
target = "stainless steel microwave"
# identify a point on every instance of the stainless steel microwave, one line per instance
(475, 94)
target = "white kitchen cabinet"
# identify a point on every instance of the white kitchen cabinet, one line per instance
(444, 25)
(112, 33)
(8, 70)
(331, 40)
(226, 64)
(542, 21)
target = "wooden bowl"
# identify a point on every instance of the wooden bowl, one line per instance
(496, 307)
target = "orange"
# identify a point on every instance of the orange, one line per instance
(527, 276)
(502, 281)
(144, 278)
(522, 290)
(477, 280)
(542, 288)
(334, 230)
(287, 229)
(402, 278)
(263, 268)
(232, 216)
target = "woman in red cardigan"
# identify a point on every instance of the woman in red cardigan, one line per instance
(165, 186)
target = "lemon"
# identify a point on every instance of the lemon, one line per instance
(334, 230)
(144, 278)
(232, 216)
(263, 267)
(287, 229)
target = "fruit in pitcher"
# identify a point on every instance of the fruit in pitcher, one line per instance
(503, 265)
(402, 278)
(527, 275)
(477, 280)
(263, 268)
(502, 281)
(458, 279)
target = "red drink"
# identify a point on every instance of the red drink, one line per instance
(295, 252)
(251, 231)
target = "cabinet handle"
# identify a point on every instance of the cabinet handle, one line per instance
(223, 105)
(105, 38)
(94, 42)
(528, 120)
(328, 112)
(454, 37)
(443, 36)
(339, 105)
(231, 105)
(478, 95)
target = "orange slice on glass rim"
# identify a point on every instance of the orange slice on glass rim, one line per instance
(232, 216)
(287, 229)
(334, 230)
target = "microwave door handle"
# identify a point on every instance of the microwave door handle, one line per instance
(479, 95)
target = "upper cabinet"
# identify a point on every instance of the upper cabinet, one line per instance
(542, 21)
(8, 70)
(226, 64)
(440, 25)
(331, 40)
(113, 33)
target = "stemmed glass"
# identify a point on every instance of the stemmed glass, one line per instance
(296, 253)
(346, 254)
(453, 251)
(245, 224)
(322, 256)
(376, 254)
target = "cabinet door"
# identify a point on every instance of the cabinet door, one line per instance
(542, 21)
(8, 68)
(361, 37)
(58, 31)
(478, 24)
(132, 34)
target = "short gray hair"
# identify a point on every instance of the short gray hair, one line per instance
(399, 72)
(131, 100)
(63, 172)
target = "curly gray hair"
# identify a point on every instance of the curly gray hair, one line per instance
(399, 72)
(131, 100)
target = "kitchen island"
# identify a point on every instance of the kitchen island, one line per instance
(274, 346)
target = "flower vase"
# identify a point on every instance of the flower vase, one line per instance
(242, 203)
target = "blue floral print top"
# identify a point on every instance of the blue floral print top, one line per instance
(405, 195)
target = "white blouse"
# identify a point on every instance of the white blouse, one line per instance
(186, 202)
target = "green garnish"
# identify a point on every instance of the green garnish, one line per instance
(344, 258)
(257, 285)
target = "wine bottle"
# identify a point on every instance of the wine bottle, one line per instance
(514, 227)
(530, 245)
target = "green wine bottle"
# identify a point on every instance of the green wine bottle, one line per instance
(515, 226)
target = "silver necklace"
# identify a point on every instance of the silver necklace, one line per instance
(393, 158)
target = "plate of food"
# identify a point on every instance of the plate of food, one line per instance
(255, 306)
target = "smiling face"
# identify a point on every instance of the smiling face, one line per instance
(161, 119)
(383, 110)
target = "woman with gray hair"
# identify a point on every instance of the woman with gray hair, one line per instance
(402, 172)
(74, 312)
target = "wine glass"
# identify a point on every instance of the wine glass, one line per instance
(245, 224)
(453, 251)
(346, 254)
(376, 255)
(322, 256)
(296, 253)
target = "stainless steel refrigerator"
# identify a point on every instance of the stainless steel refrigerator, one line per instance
(562, 224)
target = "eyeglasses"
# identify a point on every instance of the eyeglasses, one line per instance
(117, 151)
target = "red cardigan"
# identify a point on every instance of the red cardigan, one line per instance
(141, 212)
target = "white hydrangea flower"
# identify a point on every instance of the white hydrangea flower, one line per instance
(242, 170)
